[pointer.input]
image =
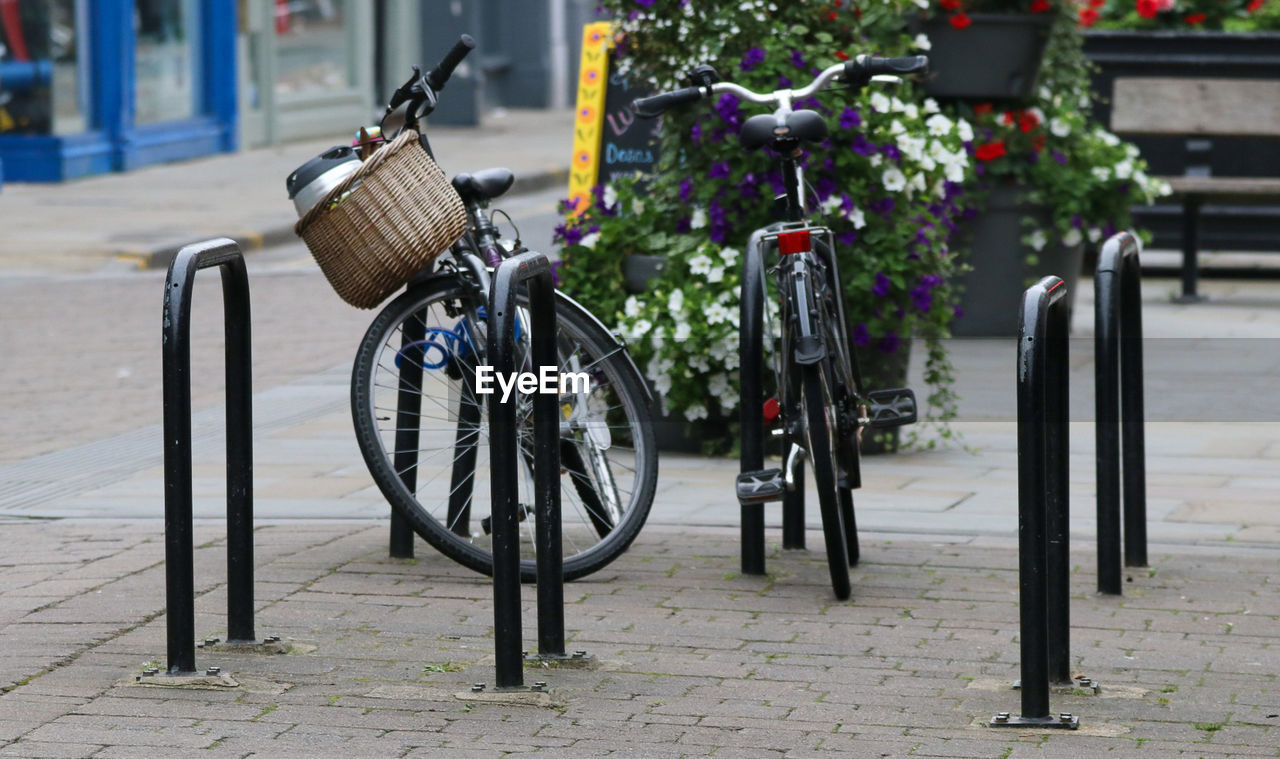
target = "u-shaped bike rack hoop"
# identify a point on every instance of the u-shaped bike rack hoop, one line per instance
(179, 559)
(535, 270)
(1119, 400)
(1043, 567)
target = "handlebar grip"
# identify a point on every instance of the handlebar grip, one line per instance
(402, 93)
(656, 105)
(441, 73)
(860, 70)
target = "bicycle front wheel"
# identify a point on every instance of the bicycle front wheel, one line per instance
(424, 431)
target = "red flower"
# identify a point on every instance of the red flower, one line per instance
(990, 151)
(1027, 121)
(1088, 17)
(1039, 6)
(960, 21)
(1254, 5)
(1037, 143)
(982, 109)
(832, 16)
(949, 5)
(1147, 8)
(1195, 19)
(1097, 3)
(842, 55)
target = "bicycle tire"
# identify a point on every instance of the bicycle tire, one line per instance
(818, 409)
(452, 531)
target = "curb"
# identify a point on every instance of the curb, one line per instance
(161, 255)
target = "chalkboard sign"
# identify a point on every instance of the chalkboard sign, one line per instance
(609, 141)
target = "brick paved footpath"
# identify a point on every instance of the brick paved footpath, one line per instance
(696, 660)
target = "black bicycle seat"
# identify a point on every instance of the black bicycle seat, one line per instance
(485, 184)
(802, 126)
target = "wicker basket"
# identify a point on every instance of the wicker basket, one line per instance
(402, 214)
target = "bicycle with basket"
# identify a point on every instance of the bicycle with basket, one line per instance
(394, 218)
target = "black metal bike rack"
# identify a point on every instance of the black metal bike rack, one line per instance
(1117, 288)
(179, 552)
(751, 400)
(535, 270)
(1043, 566)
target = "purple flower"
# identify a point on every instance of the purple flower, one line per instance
(719, 170)
(889, 344)
(752, 58)
(645, 3)
(749, 184)
(696, 133)
(565, 206)
(683, 225)
(959, 312)
(884, 206)
(825, 188)
(861, 337)
(783, 82)
(569, 235)
(922, 297)
(1060, 158)
(862, 146)
(686, 189)
(797, 60)
(555, 273)
(891, 151)
(727, 108)
(881, 287)
(847, 238)
(849, 119)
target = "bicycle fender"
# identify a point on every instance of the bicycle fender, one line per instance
(626, 355)
(810, 350)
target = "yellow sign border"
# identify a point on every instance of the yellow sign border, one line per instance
(588, 120)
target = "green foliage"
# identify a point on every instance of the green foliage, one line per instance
(1186, 15)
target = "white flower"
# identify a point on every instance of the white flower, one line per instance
(879, 103)
(637, 206)
(715, 313)
(696, 411)
(590, 240)
(610, 196)
(917, 183)
(716, 274)
(964, 130)
(1095, 234)
(1037, 240)
(699, 264)
(1102, 173)
(632, 307)
(938, 125)
(698, 220)
(893, 179)
(1124, 169)
(1110, 139)
(1072, 237)
(897, 105)
(911, 147)
(925, 5)
(876, 160)
(675, 303)
(729, 256)
(662, 384)
(683, 330)
(911, 111)
(930, 106)
(858, 217)
(921, 42)
(896, 127)
(955, 171)
(1059, 127)
(1039, 114)
(832, 204)
(640, 328)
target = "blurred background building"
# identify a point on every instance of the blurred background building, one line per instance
(91, 86)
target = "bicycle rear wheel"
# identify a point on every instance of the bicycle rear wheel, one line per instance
(420, 424)
(820, 424)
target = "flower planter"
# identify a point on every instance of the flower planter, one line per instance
(673, 434)
(1195, 55)
(638, 269)
(997, 57)
(992, 291)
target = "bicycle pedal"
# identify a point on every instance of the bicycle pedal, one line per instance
(761, 487)
(486, 523)
(890, 408)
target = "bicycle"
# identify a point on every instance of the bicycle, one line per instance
(821, 406)
(414, 392)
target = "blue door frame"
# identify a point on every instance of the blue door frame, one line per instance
(114, 142)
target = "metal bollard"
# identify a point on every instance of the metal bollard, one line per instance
(751, 400)
(1119, 398)
(504, 451)
(1042, 504)
(179, 572)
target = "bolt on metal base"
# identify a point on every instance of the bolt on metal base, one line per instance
(539, 686)
(573, 660)
(1064, 721)
(1089, 684)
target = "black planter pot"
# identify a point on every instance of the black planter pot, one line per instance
(674, 434)
(997, 57)
(637, 270)
(991, 292)
(1195, 55)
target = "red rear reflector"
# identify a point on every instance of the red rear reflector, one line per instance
(794, 242)
(771, 410)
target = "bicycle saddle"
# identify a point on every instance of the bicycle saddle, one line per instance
(485, 184)
(805, 126)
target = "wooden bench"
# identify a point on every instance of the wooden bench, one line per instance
(1201, 109)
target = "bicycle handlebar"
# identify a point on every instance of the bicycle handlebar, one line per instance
(439, 75)
(857, 72)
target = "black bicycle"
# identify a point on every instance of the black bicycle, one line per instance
(422, 427)
(820, 405)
